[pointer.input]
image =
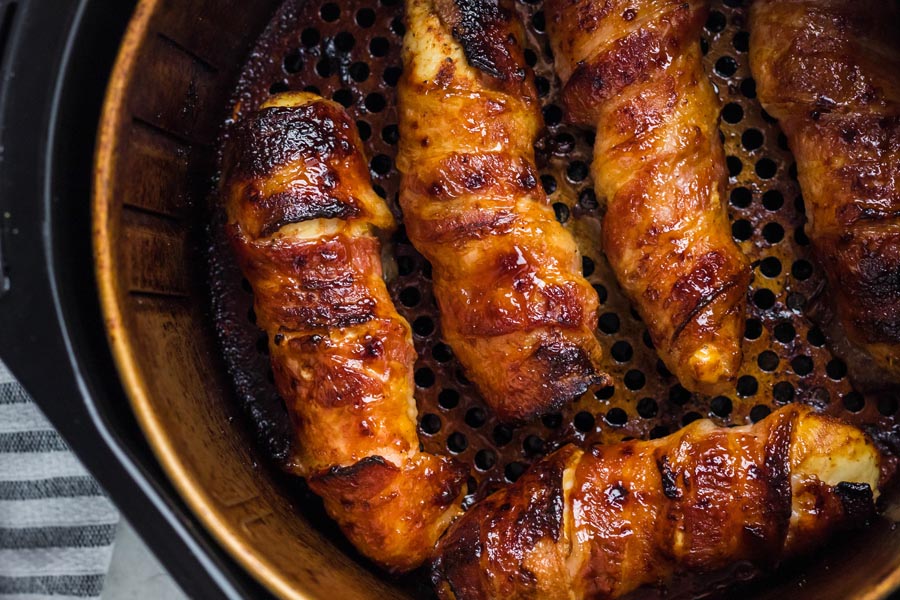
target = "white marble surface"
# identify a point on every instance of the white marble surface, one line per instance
(135, 574)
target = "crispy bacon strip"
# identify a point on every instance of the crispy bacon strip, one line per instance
(303, 219)
(632, 69)
(829, 70)
(603, 522)
(507, 276)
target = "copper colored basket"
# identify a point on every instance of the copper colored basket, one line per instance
(180, 320)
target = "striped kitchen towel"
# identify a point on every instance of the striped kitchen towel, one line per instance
(56, 524)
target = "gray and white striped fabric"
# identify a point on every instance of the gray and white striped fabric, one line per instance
(56, 525)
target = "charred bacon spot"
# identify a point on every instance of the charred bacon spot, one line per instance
(279, 136)
(306, 204)
(483, 29)
(857, 500)
(668, 479)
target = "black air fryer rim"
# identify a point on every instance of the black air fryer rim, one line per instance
(56, 58)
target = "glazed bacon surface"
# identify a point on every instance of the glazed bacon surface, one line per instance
(304, 220)
(631, 68)
(829, 70)
(514, 305)
(602, 522)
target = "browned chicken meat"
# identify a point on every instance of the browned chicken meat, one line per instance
(304, 221)
(829, 70)
(631, 68)
(602, 522)
(507, 276)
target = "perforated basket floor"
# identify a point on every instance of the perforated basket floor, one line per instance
(351, 52)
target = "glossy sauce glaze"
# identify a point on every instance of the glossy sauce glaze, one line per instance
(304, 221)
(828, 70)
(515, 308)
(633, 70)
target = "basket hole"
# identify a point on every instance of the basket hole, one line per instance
(381, 164)
(587, 266)
(854, 401)
(726, 66)
(375, 102)
(293, 63)
(747, 386)
(548, 182)
(502, 435)
(442, 352)
(475, 417)
(390, 134)
(721, 406)
(391, 75)
(647, 408)
(752, 139)
(767, 360)
(802, 270)
(741, 230)
(759, 412)
(887, 405)
(448, 398)
(605, 393)
(588, 200)
(379, 47)
(741, 197)
(634, 379)
(764, 299)
(584, 421)
(344, 41)
(732, 113)
(609, 323)
(785, 332)
(365, 17)
(678, 395)
(690, 417)
(552, 115)
(430, 424)
(748, 88)
(753, 329)
(773, 200)
(330, 12)
(279, 87)
(715, 22)
(310, 37)
(770, 267)
(622, 351)
(457, 442)
(423, 326)
(836, 369)
(577, 171)
(485, 460)
(552, 421)
(802, 365)
(783, 392)
(424, 377)
(660, 431)
(359, 71)
(513, 471)
(616, 417)
(410, 297)
(344, 97)
(533, 445)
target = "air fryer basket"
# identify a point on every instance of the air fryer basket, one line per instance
(170, 288)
